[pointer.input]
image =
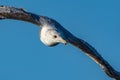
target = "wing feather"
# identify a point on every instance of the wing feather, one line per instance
(94, 55)
(7, 12)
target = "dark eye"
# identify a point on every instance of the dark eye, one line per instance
(55, 36)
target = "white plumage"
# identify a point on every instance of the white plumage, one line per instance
(50, 36)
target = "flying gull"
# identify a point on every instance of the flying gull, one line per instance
(52, 33)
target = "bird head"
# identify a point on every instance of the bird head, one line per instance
(51, 36)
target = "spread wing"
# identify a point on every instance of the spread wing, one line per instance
(19, 14)
(93, 54)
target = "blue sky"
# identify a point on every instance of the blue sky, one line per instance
(24, 57)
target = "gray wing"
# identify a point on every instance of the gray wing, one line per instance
(19, 14)
(93, 54)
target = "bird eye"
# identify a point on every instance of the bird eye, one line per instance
(55, 36)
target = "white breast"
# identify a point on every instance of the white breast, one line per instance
(45, 36)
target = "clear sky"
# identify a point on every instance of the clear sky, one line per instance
(24, 57)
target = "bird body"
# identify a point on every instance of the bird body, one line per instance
(50, 36)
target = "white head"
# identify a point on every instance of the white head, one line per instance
(50, 36)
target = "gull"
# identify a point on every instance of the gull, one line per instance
(52, 33)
